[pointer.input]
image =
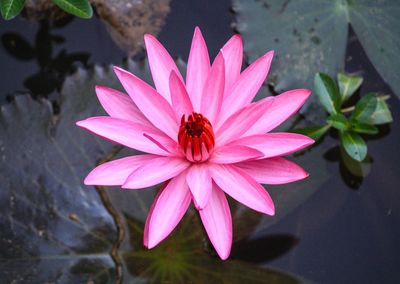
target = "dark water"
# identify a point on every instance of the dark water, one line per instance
(347, 232)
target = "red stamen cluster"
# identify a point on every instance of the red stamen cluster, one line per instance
(196, 137)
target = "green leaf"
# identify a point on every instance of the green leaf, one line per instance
(348, 85)
(306, 43)
(354, 145)
(338, 121)
(364, 108)
(364, 128)
(79, 8)
(327, 91)
(315, 132)
(11, 8)
(381, 115)
(356, 168)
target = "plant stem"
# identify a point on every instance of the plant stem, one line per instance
(351, 108)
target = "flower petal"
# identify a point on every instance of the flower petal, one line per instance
(284, 106)
(132, 135)
(213, 91)
(246, 87)
(275, 144)
(180, 99)
(161, 65)
(273, 171)
(233, 56)
(155, 171)
(198, 68)
(117, 171)
(229, 154)
(199, 180)
(242, 187)
(120, 105)
(217, 221)
(167, 210)
(157, 110)
(239, 122)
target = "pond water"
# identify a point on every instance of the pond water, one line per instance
(345, 229)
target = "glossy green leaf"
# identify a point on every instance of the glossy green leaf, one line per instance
(354, 145)
(381, 115)
(364, 108)
(11, 8)
(364, 128)
(348, 85)
(318, 30)
(327, 92)
(315, 132)
(79, 8)
(338, 121)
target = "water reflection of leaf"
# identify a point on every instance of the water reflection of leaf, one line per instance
(53, 68)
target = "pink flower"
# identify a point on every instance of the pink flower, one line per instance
(203, 137)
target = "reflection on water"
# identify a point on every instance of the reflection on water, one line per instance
(53, 68)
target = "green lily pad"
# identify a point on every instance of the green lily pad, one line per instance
(310, 36)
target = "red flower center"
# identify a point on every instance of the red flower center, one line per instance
(196, 137)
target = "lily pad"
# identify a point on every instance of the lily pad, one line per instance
(54, 229)
(310, 36)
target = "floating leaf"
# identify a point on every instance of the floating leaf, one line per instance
(54, 229)
(315, 132)
(11, 8)
(319, 30)
(338, 121)
(327, 92)
(356, 168)
(354, 145)
(348, 85)
(79, 8)
(364, 108)
(364, 128)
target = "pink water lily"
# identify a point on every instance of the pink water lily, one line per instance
(203, 138)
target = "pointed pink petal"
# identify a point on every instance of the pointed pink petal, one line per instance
(199, 180)
(119, 105)
(161, 65)
(229, 154)
(180, 99)
(239, 122)
(167, 210)
(275, 144)
(157, 110)
(284, 106)
(273, 171)
(242, 187)
(246, 87)
(213, 91)
(155, 171)
(198, 68)
(217, 221)
(130, 134)
(117, 171)
(233, 55)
